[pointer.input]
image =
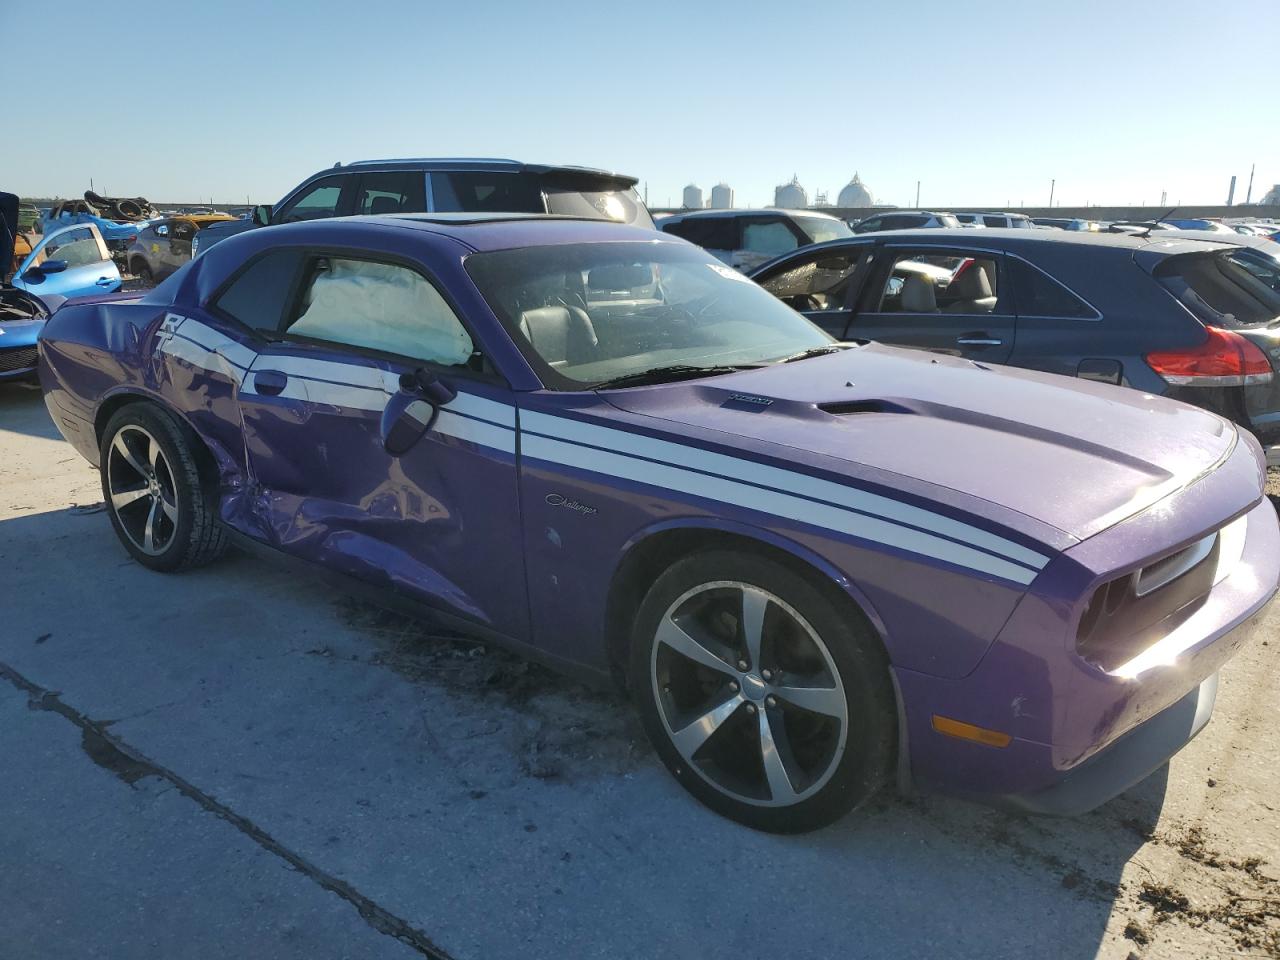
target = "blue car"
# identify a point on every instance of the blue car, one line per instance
(22, 317)
(814, 565)
(69, 262)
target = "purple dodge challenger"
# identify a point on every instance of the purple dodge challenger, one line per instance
(816, 566)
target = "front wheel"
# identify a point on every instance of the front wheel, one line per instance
(768, 699)
(159, 507)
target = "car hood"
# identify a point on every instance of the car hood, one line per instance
(1075, 455)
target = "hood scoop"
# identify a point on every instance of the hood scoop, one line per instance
(844, 408)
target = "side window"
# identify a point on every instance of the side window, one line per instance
(316, 203)
(815, 283)
(403, 192)
(486, 193)
(182, 230)
(1041, 296)
(994, 222)
(939, 282)
(768, 236)
(259, 296)
(710, 233)
(380, 306)
(78, 247)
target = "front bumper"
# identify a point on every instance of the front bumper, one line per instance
(1080, 735)
(1126, 762)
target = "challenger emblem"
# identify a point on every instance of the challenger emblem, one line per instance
(556, 500)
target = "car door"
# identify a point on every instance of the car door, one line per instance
(952, 300)
(71, 262)
(821, 283)
(178, 250)
(363, 354)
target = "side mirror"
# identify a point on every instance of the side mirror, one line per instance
(262, 214)
(412, 411)
(53, 266)
(162, 231)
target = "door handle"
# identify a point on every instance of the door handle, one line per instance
(978, 341)
(270, 383)
(104, 281)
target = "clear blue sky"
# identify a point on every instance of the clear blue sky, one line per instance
(983, 101)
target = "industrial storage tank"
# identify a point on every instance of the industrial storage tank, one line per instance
(854, 194)
(722, 197)
(693, 197)
(791, 195)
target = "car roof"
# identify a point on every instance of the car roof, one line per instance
(498, 231)
(476, 164)
(1012, 238)
(745, 212)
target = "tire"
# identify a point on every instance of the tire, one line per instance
(143, 274)
(828, 755)
(163, 513)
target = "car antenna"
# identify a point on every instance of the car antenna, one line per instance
(1169, 213)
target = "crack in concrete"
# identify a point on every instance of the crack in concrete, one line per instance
(113, 754)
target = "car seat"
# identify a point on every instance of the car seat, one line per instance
(561, 334)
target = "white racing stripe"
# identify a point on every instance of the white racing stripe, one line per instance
(767, 501)
(783, 480)
(573, 443)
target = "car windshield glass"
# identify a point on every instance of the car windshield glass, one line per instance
(1220, 289)
(587, 313)
(625, 206)
(821, 229)
(947, 220)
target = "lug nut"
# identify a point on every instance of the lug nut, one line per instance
(766, 675)
(751, 708)
(742, 665)
(733, 685)
(771, 701)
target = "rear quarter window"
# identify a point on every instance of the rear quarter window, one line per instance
(259, 295)
(1039, 295)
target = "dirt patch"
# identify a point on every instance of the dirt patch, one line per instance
(1273, 485)
(551, 727)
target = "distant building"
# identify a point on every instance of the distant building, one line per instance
(791, 195)
(722, 197)
(1272, 199)
(854, 194)
(820, 199)
(693, 197)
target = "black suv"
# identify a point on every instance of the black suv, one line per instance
(446, 185)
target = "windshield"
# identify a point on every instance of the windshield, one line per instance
(948, 220)
(587, 313)
(822, 229)
(625, 206)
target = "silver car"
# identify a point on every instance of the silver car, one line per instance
(164, 245)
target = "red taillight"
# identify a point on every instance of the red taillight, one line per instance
(1225, 359)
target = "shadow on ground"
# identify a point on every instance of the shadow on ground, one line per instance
(22, 405)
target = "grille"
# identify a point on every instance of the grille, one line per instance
(18, 359)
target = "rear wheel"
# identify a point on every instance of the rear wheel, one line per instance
(768, 699)
(151, 483)
(144, 274)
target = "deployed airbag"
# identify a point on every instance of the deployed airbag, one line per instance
(383, 307)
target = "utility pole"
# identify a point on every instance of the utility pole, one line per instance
(917, 194)
(1163, 195)
(1249, 194)
(1052, 185)
(1231, 191)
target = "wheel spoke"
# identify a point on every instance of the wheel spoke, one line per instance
(153, 453)
(825, 700)
(692, 736)
(123, 498)
(122, 448)
(675, 637)
(780, 787)
(149, 532)
(754, 604)
(170, 510)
